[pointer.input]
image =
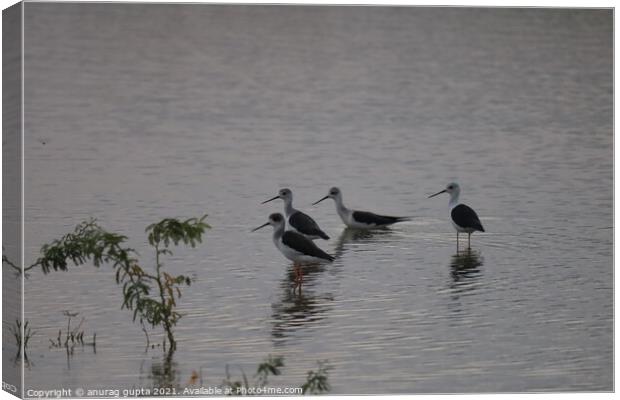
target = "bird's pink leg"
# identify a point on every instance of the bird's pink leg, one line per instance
(297, 276)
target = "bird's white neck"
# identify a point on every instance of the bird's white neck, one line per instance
(454, 199)
(341, 209)
(288, 207)
(278, 231)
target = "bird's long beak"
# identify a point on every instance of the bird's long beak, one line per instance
(262, 226)
(272, 199)
(317, 202)
(433, 195)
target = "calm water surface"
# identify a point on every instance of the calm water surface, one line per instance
(150, 111)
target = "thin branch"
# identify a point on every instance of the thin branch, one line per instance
(5, 260)
(32, 266)
(147, 336)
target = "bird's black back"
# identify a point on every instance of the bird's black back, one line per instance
(465, 217)
(304, 245)
(306, 225)
(375, 219)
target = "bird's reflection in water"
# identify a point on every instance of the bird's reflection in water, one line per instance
(465, 273)
(359, 236)
(465, 266)
(297, 309)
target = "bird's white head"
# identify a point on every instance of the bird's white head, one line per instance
(453, 189)
(284, 194)
(334, 193)
(276, 220)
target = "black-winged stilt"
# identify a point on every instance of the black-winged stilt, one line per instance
(463, 217)
(297, 220)
(359, 219)
(294, 246)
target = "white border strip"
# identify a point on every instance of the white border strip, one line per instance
(22, 218)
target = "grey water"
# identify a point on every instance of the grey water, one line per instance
(136, 112)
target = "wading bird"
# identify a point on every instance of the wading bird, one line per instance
(463, 217)
(294, 246)
(359, 219)
(298, 221)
